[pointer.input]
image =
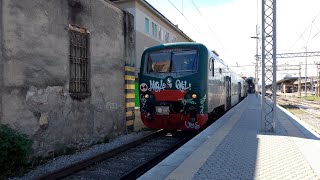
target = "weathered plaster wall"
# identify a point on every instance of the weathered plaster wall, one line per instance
(36, 71)
(1, 62)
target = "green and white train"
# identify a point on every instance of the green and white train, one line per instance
(182, 84)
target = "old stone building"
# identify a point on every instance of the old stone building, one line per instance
(151, 27)
(62, 70)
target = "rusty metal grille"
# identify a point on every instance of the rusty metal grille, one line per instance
(79, 64)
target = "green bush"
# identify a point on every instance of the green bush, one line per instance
(15, 150)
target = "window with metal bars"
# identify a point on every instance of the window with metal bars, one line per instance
(79, 87)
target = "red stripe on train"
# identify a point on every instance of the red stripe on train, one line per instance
(174, 121)
(169, 95)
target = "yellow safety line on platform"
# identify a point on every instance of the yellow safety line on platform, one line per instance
(128, 68)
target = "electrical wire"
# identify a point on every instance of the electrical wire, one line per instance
(184, 17)
(207, 23)
(301, 36)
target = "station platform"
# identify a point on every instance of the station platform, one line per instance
(234, 148)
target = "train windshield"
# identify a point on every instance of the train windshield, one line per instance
(172, 61)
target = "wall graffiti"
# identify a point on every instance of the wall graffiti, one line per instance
(182, 85)
(112, 106)
(192, 125)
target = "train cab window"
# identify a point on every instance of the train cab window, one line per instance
(159, 62)
(184, 61)
(173, 61)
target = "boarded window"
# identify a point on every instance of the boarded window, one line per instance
(79, 86)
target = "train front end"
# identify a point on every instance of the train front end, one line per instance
(172, 86)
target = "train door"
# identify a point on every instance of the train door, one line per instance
(239, 91)
(228, 92)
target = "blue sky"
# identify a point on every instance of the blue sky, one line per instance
(227, 25)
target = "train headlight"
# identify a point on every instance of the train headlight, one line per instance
(146, 96)
(194, 96)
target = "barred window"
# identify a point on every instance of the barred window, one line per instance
(79, 86)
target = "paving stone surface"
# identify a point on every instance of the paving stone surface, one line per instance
(247, 154)
(234, 148)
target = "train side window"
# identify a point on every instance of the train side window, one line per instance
(220, 70)
(212, 64)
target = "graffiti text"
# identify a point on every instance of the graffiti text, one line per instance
(157, 86)
(182, 85)
(202, 100)
(191, 125)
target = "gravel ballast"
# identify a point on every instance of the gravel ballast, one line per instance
(64, 161)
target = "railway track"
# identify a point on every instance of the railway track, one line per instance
(127, 162)
(309, 111)
(309, 106)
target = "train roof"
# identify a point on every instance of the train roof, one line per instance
(176, 44)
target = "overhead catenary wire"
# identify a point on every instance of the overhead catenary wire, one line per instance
(309, 26)
(207, 23)
(197, 30)
(185, 17)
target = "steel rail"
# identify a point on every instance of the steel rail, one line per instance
(73, 168)
(141, 169)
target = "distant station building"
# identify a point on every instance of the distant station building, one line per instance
(151, 27)
(291, 85)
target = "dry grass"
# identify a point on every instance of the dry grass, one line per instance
(292, 109)
(312, 98)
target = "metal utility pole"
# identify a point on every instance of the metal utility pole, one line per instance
(299, 85)
(269, 65)
(305, 78)
(257, 58)
(318, 82)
